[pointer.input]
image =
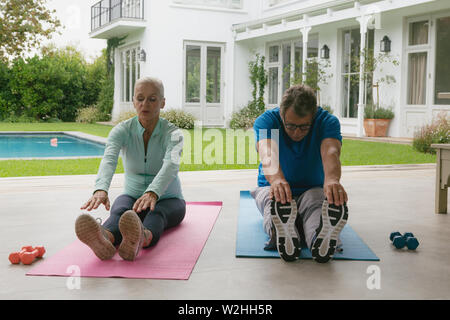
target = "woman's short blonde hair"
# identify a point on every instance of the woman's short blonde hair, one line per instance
(154, 81)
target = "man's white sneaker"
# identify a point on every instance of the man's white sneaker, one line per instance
(288, 238)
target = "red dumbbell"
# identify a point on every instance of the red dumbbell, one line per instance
(28, 257)
(14, 257)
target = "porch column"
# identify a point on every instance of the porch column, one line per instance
(305, 31)
(363, 22)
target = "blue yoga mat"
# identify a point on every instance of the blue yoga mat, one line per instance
(251, 237)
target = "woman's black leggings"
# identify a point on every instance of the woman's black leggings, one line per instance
(168, 213)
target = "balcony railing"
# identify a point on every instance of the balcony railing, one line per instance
(105, 11)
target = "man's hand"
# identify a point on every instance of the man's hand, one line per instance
(280, 189)
(148, 200)
(96, 200)
(335, 192)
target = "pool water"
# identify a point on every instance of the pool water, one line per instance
(47, 145)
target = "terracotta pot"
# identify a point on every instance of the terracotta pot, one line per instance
(376, 127)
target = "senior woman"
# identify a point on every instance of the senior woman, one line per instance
(152, 200)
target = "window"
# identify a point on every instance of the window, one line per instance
(285, 65)
(417, 78)
(275, 2)
(130, 71)
(192, 73)
(350, 73)
(442, 78)
(417, 62)
(273, 85)
(418, 33)
(273, 53)
(213, 68)
(273, 73)
(231, 4)
(286, 51)
(351, 50)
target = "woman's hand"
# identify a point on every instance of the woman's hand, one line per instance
(148, 200)
(97, 199)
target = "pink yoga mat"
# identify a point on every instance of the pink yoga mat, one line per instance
(174, 256)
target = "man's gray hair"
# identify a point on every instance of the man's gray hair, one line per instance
(154, 81)
(301, 98)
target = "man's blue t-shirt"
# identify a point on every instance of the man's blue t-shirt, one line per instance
(301, 162)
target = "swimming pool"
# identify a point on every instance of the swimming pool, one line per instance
(47, 145)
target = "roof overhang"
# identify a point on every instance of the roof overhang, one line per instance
(324, 13)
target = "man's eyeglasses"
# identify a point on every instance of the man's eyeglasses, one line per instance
(293, 127)
(302, 127)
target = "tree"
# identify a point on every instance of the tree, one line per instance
(23, 26)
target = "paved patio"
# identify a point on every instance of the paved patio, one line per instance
(42, 210)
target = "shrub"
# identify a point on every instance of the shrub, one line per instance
(245, 118)
(436, 132)
(8, 101)
(373, 112)
(106, 93)
(88, 115)
(19, 119)
(125, 115)
(180, 118)
(94, 81)
(50, 86)
(327, 108)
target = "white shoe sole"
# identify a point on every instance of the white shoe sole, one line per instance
(288, 239)
(334, 219)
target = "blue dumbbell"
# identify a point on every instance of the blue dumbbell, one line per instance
(400, 241)
(411, 242)
(397, 240)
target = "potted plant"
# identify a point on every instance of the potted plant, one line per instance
(376, 120)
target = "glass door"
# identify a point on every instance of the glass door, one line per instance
(202, 85)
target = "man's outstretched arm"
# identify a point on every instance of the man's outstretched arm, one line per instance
(330, 150)
(269, 156)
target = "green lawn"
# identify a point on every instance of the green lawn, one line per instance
(200, 152)
(95, 129)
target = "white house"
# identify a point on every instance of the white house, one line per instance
(201, 49)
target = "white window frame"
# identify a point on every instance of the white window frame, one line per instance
(418, 49)
(228, 4)
(270, 65)
(269, 4)
(432, 65)
(123, 85)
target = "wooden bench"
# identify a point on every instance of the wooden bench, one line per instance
(442, 176)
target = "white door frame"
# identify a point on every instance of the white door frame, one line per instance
(420, 111)
(203, 105)
(432, 106)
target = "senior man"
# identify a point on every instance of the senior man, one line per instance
(299, 192)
